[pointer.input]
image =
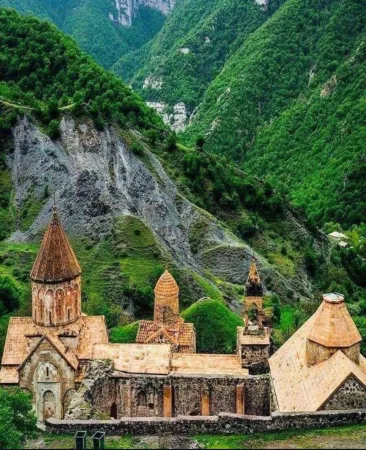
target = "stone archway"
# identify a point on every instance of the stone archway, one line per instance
(49, 405)
(48, 392)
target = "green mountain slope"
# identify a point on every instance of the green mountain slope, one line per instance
(132, 198)
(281, 69)
(89, 23)
(191, 49)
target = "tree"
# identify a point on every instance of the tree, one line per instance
(9, 295)
(17, 420)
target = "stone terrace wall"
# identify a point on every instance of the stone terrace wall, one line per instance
(221, 424)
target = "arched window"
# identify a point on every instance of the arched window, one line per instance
(142, 399)
(76, 299)
(59, 305)
(69, 303)
(253, 314)
(40, 305)
(114, 413)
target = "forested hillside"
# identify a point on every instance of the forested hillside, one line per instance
(290, 105)
(134, 200)
(191, 49)
(89, 22)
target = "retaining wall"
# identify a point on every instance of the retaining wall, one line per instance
(221, 424)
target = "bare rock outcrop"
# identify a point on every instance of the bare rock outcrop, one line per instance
(82, 406)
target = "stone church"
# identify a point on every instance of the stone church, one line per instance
(64, 358)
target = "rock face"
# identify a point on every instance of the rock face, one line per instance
(96, 178)
(82, 406)
(127, 9)
(176, 119)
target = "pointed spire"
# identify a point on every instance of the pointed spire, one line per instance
(56, 261)
(254, 286)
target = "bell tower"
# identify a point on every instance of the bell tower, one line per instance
(55, 279)
(166, 307)
(254, 339)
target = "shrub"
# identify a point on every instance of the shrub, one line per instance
(9, 295)
(17, 420)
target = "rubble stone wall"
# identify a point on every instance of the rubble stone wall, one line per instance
(117, 396)
(350, 395)
(221, 424)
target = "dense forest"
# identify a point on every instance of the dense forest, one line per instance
(44, 74)
(298, 118)
(89, 23)
(210, 31)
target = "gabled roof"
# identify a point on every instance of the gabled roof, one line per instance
(89, 329)
(299, 387)
(162, 331)
(9, 375)
(63, 351)
(56, 261)
(180, 333)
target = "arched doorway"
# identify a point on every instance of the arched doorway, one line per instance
(49, 405)
(48, 392)
(114, 413)
(253, 314)
(142, 410)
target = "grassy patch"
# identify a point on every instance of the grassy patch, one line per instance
(337, 437)
(215, 326)
(125, 334)
(283, 263)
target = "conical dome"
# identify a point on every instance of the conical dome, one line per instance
(56, 261)
(334, 327)
(166, 286)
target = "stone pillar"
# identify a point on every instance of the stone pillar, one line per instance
(205, 402)
(240, 399)
(168, 401)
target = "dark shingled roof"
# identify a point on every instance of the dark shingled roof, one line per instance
(56, 261)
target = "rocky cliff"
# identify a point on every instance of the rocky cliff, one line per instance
(127, 9)
(97, 179)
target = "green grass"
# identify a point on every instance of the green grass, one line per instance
(125, 334)
(215, 326)
(337, 437)
(287, 318)
(212, 291)
(283, 263)
(324, 438)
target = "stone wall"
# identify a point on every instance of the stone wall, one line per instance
(255, 358)
(221, 424)
(105, 394)
(350, 395)
(50, 380)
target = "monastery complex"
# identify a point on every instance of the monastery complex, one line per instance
(52, 353)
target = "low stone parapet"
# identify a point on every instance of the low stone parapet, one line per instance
(221, 424)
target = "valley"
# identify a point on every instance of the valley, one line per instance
(194, 137)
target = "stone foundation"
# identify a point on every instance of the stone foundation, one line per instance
(221, 424)
(107, 394)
